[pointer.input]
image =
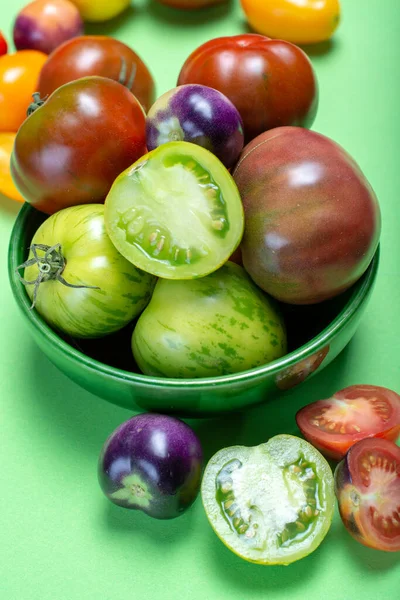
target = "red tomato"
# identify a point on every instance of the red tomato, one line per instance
(97, 55)
(3, 45)
(357, 412)
(271, 82)
(367, 486)
(71, 149)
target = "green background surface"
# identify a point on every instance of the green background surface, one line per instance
(60, 538)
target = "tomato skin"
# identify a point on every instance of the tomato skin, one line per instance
(281, 78)
(312, 219)
(367, 487)
(306, 22)
(19, 74)
(3, 45)
(91, 260)
(7, 186)
(96, 55)
(98, 11)
(358, 412)
(70, 150)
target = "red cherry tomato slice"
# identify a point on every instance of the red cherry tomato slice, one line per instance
(3, 45)
(352, 414)
(367, 486)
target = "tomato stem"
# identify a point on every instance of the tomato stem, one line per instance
(37, 103)
(51, 266)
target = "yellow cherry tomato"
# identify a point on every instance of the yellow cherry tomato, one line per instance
(7, 187)
(19, 75)
(100, 10)
(297, 21)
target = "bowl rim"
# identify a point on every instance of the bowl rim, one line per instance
(360, 292)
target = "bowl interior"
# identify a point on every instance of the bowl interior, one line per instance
(309, 327)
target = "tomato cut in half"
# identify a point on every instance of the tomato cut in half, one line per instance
(333, 425)
(176, 212)
(270, 504)
(367, 486)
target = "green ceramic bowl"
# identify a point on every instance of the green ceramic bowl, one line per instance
(105, 367)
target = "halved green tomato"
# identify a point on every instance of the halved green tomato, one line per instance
(270, 504)
(176, 212)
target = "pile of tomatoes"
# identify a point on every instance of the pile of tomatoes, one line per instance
(147, 205)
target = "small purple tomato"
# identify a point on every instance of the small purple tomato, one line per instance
(45, 24)
(200, 115)
(152, 463)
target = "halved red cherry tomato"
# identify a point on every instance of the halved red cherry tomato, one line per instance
(3, 45)
(367, 486)
(333, 425)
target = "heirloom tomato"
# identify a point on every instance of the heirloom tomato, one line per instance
(7, 186)
(73, 146)
(367, 486)
(176, 212)
(77, 280)
(334, 424)
(97, 55)
(100, 10)
(271, 82)
(304, 22)
(19, 74)
(3, 45)
(271, 504)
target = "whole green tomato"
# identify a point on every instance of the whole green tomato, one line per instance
(77, 280)
(209, 326)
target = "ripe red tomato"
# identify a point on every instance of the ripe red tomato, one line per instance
(97, 55)
(367, 486)
(357, 412)
(70, 150)
(3, 45)
(271, 82)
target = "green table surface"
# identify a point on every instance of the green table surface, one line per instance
(60, 538)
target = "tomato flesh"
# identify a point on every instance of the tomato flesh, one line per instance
(270, 504)
(333, 425)
(176, 213)
(367, 486)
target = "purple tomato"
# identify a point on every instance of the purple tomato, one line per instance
(200, 115)
(45, 24)
(152, 463)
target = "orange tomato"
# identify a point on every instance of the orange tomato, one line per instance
(19, 75)
(7, 186)
(297, 21)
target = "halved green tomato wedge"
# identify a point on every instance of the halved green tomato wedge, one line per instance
(270, 504)
(176, 212)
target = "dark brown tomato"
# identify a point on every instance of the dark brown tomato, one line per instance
(71, 149)
(97, 55)
(271, 82)
(312, 219)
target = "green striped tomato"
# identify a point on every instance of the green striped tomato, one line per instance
(87, 288)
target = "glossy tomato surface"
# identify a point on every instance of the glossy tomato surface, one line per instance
(114, 292)
(272, 503)
(70, 150)
(334, 424)
(271, 82)
(98, 11)
(7, 186)
(200, 115)
(19, 75)
(45, 24)
(152, 463)
(304, 22)
(176, 212)
(312, 220)
(367, 486)
(97, 55)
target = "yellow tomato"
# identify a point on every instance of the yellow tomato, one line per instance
(100, 10)
(19, 75)
(7, 186)
(297, 21)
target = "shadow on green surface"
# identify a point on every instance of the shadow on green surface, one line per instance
(113, 26)
(320, 49)
(11, 207)
(174, 16)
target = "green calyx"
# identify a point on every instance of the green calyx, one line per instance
(50, 267)
(37, 103)
(134, 491)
